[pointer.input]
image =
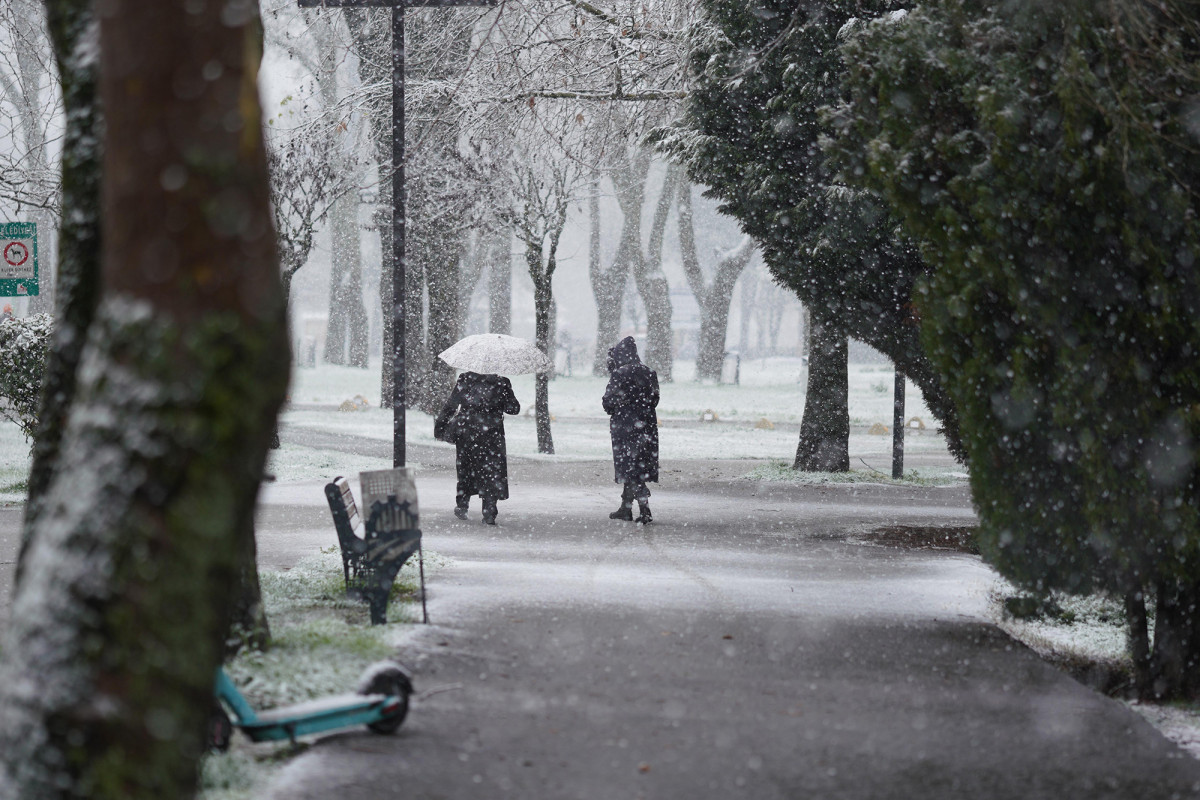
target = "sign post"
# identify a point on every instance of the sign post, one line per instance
(898, 427)
(398, 266)
(18, 259)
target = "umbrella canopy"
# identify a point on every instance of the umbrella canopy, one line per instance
(495, 353)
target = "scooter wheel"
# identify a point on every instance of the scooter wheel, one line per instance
(220, 729)
(395, 683)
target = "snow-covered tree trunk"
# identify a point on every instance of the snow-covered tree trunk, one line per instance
(346, 331)
(824, 444)
(444, 322)
(713, 296)
(499, 284)
(438, 46)
(543, 302)
(123, 602)
(608, 288)
(652, 283)
(629, 181)
(746, 305)
(372, 43)
(73, 34)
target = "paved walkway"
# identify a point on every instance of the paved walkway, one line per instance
(747, 644)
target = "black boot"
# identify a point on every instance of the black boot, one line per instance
(489, 511)
(460, 512)
(644, 517)
(625, 512)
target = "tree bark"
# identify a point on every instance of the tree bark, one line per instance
(713, 297)
(543, 298)
(652, 283)
(73, 37)
(824, 444)
(499, 285)
(372, 39)
(346, 330)
(1139, 643)
(346, 327)
(746, 299)
(444, 322)
(120, 615)
(608, 287)
(1174, 669)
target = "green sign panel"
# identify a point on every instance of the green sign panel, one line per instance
(18, 259)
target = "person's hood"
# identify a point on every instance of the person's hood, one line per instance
(624, 353)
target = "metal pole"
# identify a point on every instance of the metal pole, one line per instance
(398, 266)
(898, 427)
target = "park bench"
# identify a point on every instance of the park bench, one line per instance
(373, 551)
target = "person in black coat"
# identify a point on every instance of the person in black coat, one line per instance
(630, 400)
(473, 419)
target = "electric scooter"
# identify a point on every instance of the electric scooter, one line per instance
(380, 703)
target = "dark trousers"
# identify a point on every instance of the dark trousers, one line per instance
(634, 490)
(463, 499)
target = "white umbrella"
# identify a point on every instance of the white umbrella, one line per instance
(496, 353)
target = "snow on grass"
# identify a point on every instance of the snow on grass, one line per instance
(292, 463)
(769, 387)
(587, 438)
(1091, 630)
(782, 472)
(321, 643)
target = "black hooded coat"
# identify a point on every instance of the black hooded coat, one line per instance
(478, 432)
(630, 400)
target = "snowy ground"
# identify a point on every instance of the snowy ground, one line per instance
(770, 396)
(757, 420)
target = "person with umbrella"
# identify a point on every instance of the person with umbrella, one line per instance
(473, 417)
(630, 400)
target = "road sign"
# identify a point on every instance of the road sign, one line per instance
(18, 259)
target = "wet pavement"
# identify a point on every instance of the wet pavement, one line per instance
(750, 643)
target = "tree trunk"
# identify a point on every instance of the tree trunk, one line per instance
(608, 287)
(499, 285)
(72, 36)
(542, 308)
(1175, 659)
(714, 322)
(136, 545)
(746, 300)
(824, 444)
(445, 326)
(713, 296)
(346, 329)
(371, 34)
(1139, 642)
(652, 283)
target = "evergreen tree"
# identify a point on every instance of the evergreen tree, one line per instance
(1047, 156)
(752, 132)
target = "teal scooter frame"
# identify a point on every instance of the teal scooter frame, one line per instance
(381, 703)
